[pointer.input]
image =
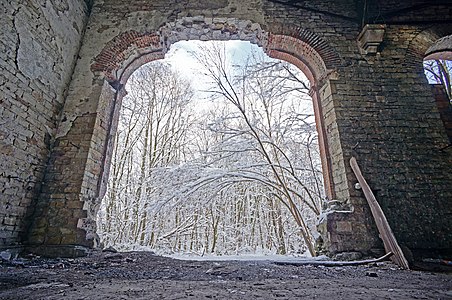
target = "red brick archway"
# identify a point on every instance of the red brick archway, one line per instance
(130, 50)
(126, 52)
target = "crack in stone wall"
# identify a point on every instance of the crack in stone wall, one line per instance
(16, 61)
(37, 52)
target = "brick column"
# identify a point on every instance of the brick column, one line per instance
(444, 107)
(64, 218)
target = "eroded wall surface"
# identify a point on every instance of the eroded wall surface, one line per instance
(39, 42)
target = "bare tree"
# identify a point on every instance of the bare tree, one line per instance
(152, 132)
(242, 176)
(259, 113)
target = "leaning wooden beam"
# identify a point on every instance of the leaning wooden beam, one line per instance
(329, 263)
(389, 240)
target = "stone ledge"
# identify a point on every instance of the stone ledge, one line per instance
(10, 252)
(370, 38)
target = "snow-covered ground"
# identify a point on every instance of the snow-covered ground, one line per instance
(247, 257)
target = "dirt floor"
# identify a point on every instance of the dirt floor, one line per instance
(143, 275)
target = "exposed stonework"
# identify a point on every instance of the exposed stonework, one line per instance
(380, 110)
(38, 46)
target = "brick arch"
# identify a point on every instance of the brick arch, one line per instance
(441, 49)
(123, 48)
(329, 55)
(129, 50)
(300, 47)
(421, 43)
(298, 53)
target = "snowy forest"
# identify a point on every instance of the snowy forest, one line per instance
(227, 166)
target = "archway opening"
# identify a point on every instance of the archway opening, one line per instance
(129, 50)
(221, 157)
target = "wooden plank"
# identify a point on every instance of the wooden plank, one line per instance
(386, 234)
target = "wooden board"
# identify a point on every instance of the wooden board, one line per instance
(389, 240)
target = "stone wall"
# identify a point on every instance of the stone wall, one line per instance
(38, 48)
(389, 121)
(377, 107)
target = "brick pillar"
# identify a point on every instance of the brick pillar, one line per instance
(444, 107)
(345, 224)
(65, 217)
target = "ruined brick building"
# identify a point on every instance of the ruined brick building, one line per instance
(64, 64)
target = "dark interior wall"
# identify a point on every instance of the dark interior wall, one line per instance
(39, 42)
(391, 124)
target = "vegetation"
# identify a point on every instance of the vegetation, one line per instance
(239, 175)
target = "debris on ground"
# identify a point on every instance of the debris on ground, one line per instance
(144, 275)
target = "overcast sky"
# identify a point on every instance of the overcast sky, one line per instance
(180, 57)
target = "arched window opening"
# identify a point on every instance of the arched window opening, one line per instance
(219, 157)
(438, 70)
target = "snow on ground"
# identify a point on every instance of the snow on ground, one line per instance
(246, 257)
(259, 256)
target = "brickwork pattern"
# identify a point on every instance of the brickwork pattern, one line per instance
(38, 45)
(120, 49)
(390, 123)
(444, 106)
